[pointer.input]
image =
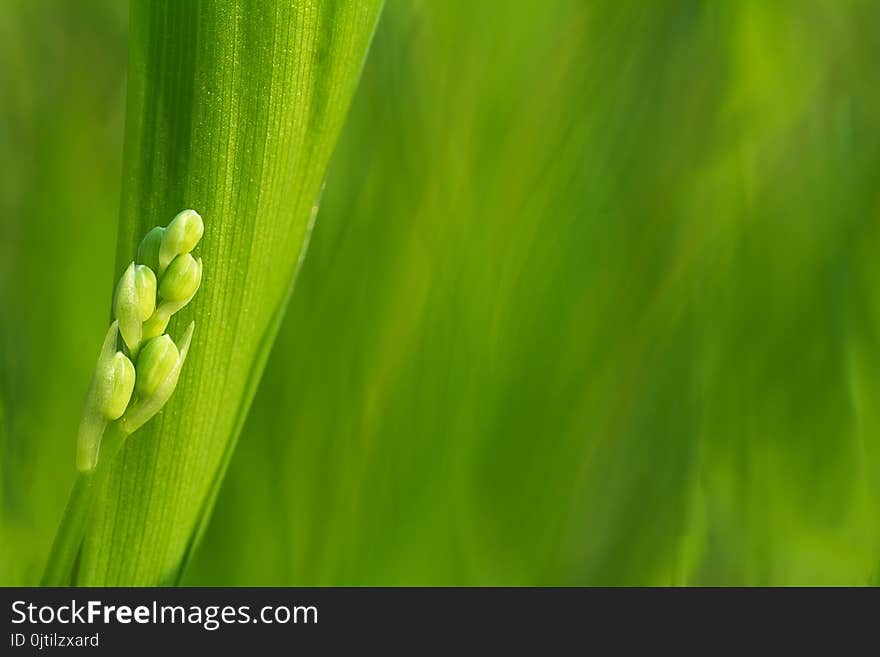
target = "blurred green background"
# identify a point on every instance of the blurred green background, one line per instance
(593, 298)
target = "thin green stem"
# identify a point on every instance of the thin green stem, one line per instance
(69, 536)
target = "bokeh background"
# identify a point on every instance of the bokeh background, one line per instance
(593, 298)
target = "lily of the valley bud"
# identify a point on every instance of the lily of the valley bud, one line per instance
(114, 386)
(145, 282)
(154, 393)
(109, 393)
(127, 308)
(148, 251)
(155, 363)
(180, 237)
(179, 285)
(181, 279)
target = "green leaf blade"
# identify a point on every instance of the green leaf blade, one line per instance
(233, 110)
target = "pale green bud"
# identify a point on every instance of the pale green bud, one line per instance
(109, 394)
(157, 360)
(114, 386)
(145, 282)
(145, 408)
(148, 251)
(182, 278)
(181, 236)
(178, 287)
(127, 308)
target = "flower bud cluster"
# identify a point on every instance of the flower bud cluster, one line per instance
(133, 380)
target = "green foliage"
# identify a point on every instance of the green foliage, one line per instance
(62, 73)
(233, 109)
(592, 296)
(591, 300)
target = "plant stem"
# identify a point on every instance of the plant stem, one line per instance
(69, 536)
